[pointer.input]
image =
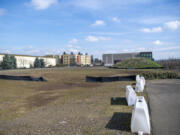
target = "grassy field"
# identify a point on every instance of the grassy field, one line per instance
(138, 63)
(65, 104)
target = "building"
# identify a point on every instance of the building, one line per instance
(65, 59)
(83, 60)
(111, 59)
(148, 55)
(57, 57)
(73, 59)
(27, 61)
(78, 59)
(87, 59)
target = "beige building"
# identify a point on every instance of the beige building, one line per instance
(26, 61)
(85, 60)
(74, 59)
(65, 59)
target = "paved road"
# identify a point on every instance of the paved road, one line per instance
(164, 97)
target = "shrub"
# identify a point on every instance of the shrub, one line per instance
(160, 75)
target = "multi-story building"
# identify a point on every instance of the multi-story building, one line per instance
(87, 60)
(83, 59)
(78, 59)
(65, 59)
(73, 59)
(111, 59)
(27, 61)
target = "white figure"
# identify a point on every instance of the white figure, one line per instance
(143, 79)
(140, 117)
(137, 78)
(139, 86)
(130, 95)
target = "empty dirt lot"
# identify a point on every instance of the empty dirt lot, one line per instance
(65, 104)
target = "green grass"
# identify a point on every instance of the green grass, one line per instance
(137, 63)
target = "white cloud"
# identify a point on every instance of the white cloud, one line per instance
(146, 30)
(5, 51)
(73, 41)
(92, 39)
(157, 42)
(115, 19)
(97, 39)
(152, 30)
(134, 50)
(42, 4)
(98, 23)
(72, 46)
(2, 11)
(157, 29)
(172, 25)
(73, 50)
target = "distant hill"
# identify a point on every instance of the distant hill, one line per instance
(137, 63)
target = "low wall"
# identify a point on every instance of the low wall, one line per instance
(24, 78)
(110, 79)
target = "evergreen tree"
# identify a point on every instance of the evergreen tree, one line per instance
(13, 61)
(31, 66)
(92, 59)
(42, 63)
(9, 62)
(39, 63)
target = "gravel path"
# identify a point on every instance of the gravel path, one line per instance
(164, 106)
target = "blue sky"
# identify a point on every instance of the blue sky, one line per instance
(40, 27)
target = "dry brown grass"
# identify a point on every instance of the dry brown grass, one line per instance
(41, 107)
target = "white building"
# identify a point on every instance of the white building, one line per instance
(26, 61)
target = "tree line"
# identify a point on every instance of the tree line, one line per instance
(9, 62)
(170, 63)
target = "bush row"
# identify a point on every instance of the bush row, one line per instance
(160, 75)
